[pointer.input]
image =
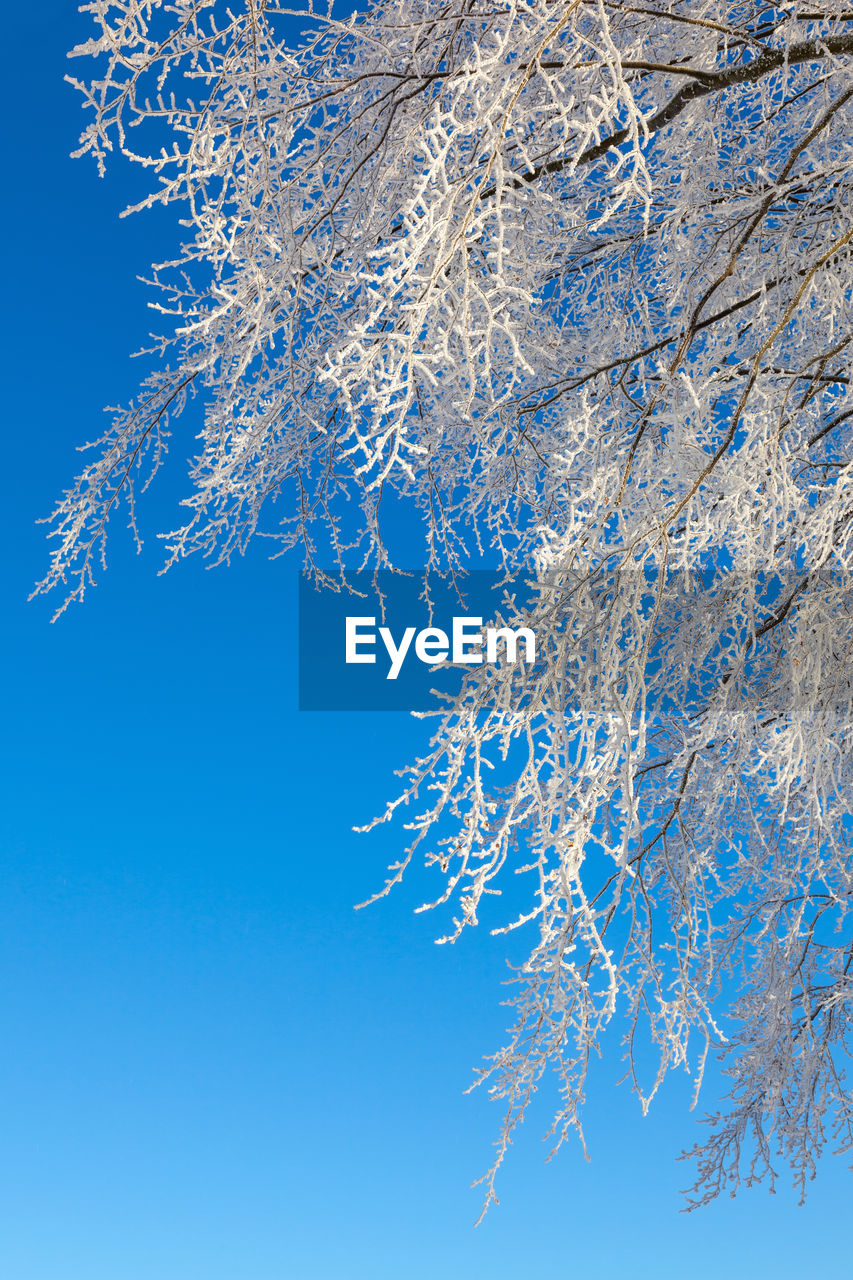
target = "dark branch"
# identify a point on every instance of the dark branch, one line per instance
(706, 82)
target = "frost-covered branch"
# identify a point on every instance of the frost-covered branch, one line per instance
(570, 282)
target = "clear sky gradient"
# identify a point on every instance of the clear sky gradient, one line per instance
(213, 1068)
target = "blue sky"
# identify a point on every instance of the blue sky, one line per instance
(212, 1066)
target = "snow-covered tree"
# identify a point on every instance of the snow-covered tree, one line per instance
(570, 281)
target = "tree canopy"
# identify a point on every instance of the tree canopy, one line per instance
(571, 281)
